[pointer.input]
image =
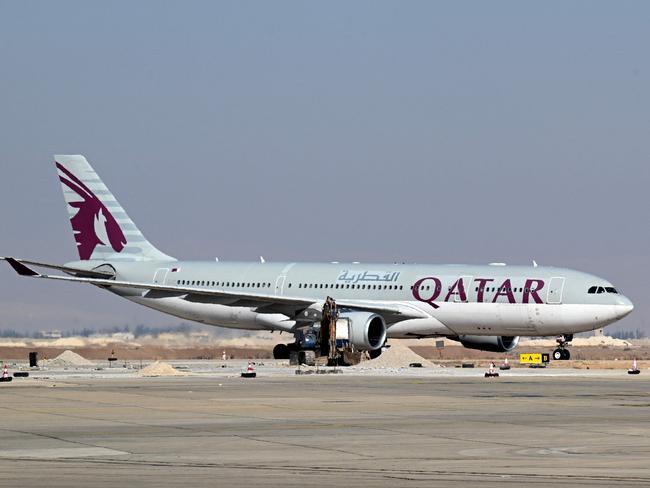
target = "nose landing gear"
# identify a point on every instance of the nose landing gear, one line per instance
(562, 353)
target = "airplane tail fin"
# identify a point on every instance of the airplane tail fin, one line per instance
(101, 227)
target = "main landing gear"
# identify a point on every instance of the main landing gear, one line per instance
(562, 353)
(302, 351)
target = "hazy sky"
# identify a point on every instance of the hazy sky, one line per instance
(427, 132)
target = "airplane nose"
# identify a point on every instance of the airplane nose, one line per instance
(624, 307)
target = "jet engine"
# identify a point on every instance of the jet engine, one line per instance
(365, 331)
(488, 343)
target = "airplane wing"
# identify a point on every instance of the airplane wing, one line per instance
(264, 303)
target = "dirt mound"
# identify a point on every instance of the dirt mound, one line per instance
(160, 369)
(68, 359)
(578, 342)
(397, 356)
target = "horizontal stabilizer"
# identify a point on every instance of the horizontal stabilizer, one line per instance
(66, 269)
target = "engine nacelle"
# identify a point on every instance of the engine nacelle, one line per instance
(366, 331)
(488, 343)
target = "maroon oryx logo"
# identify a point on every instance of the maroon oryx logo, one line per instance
(93, 224)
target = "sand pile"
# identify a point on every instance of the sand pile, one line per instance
(68, 359)
(160, 369)
(594, 341)
(600, 341)
(397, 356)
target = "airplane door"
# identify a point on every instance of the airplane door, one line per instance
(279, 284)
(160, 276)
(555, 289)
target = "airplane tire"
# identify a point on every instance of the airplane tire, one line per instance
(375, 354)
(567, 354)
(281, 351)
(558, 354)
(307, 358)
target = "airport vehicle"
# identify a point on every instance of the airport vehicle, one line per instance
(483, 307)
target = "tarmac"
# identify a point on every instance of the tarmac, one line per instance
(83, 428)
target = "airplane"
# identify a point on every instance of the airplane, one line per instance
(486, 307)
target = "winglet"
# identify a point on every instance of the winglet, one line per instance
(20, 268)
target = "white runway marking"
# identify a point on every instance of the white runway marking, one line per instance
(60, 453)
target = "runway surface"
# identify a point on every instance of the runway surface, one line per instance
(326, 430)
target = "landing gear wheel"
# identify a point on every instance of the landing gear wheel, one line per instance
(307, 358)
(561, 354)
(281, 351)
(375, 354)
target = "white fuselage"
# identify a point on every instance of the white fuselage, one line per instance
(450, 299)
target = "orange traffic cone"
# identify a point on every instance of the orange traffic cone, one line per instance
(491, 372)
(633, 369)
(5, 374)
(505, 366)
(250, 371)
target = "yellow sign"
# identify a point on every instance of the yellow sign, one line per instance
(530, 358)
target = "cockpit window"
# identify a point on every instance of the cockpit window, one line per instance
(601, 289)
